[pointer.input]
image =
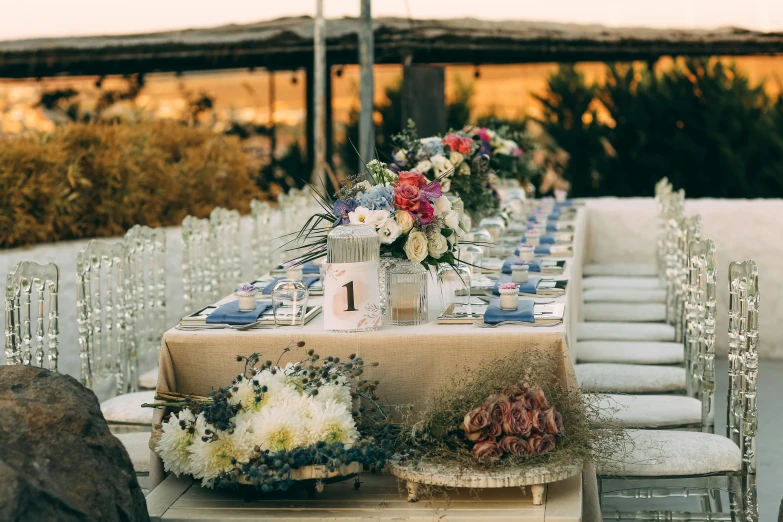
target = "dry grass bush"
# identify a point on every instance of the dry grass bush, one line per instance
(91, 180)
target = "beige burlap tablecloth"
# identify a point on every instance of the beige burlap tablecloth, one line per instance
(413, 361)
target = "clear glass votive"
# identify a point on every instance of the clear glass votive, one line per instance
(454, 283)
(289, 302)
(407, 283)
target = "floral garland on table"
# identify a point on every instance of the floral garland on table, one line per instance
(455, 160)
(272, 420)
(413, 217)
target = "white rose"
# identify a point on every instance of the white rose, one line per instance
(405, 220)
(464, 169)
(440, 163)
(442, 205)
(376, 218)
(437, 245)
(389, 231)
(359, 216)
(452, 219)
(456, 158)
(423, 167)
(400, 155)
(416, 247)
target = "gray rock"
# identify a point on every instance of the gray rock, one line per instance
(58, 459)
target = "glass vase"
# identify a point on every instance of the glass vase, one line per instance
(384, 264)
(407, 283)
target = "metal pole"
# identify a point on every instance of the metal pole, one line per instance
(319, 95)
(366, 62)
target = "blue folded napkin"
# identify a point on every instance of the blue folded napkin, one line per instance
(229, 313)
(495, 315)
(542, 250)
(525, 288)
(310, 268)
(514, 260)
(546, 239)
(566, 203)
(554, 216)
(271, 286)
(551, 227)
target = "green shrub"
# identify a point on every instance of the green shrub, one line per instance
(92, 180)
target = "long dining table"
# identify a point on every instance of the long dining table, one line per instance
(414, 361)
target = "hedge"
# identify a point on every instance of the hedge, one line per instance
(93, 180)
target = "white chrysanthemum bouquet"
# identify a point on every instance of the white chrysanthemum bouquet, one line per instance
(274, 420)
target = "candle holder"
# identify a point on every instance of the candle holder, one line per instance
(560, 195)
(246, 297)
(509, 296)
(407, 283)
(519, 273)
(533, 237)
(526, 252)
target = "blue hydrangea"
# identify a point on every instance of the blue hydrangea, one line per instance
(429, 147)
(380, 197)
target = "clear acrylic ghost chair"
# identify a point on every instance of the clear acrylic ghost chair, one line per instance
(146, 299)
(107, 330)
(705, 460)
(197, 269)
(225, 251)
(261, 242)
(22, 346)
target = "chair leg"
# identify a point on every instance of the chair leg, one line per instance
(735, 499)
(750, 498)
(717, 503)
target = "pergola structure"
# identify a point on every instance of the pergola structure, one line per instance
(287, 44)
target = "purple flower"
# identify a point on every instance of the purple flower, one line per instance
(432, 191)
(341, 209)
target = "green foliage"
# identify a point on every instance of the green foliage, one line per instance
(702, 124)
(93, 180)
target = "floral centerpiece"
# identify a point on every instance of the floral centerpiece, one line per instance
(455, 159)
(272, 421)
(510, 151)
(413, 217)
(505, 415)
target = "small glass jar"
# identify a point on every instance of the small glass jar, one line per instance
(541, 227)
(407, 283)
(509, 297)
(533, 237)
(289, 302)
(519, 273)
(561, 195)
(483, 238)
(495, 226)
(294, 273)
(247, 296)
(471, 256)
(454, 283)
(526, 252)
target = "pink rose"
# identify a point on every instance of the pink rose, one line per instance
(514, 445)
(486, 451)
(492, 431)
(411, 178)
(407, 197)
(537, 399)
(554, 422)
(517, 421)
(425, 211)
(484, 135)
(537, 420)
(459, 144)
(516, 393)
(474, 422)
(498, 406)
(540, 444)
(517, 153)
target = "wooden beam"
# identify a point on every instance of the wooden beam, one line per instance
(424, 98)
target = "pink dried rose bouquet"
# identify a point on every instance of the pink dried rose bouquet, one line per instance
(518, 421)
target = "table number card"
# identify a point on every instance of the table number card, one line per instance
(352, 300)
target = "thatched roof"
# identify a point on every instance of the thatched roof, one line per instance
(286, 43)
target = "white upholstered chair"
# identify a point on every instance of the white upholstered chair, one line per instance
(717, 462)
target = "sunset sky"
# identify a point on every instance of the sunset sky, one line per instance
(36, 18)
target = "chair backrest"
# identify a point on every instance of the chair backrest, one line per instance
(146, 298)
(104, 318)
(197, 270)
(700, 313)
(226, 256)
(742, 416)
(261, 213)
(21, 346)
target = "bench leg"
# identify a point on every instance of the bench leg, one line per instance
(538, 494)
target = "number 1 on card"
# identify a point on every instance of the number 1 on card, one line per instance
(349, 289)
